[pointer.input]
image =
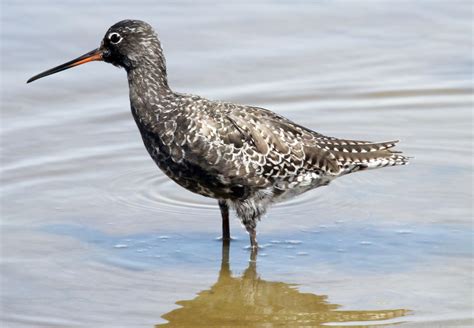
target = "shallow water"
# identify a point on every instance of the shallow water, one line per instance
(93, 235)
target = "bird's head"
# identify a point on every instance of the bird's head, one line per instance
(127, 44)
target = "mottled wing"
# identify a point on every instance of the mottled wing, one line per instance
(254, 147)
(333, 156)
(257, 148)
(288, 148)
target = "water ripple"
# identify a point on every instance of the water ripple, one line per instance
(154, 191)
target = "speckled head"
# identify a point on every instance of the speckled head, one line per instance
(128, 44)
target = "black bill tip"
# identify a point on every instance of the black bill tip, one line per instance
(93, 55)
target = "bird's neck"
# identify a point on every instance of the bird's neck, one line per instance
(149, 74)
(148, 83)
(149, 92)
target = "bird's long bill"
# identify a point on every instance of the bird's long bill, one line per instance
(95, 54)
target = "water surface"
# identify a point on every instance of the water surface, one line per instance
(94, 235)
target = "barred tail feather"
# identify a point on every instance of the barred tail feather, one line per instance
(354, 156)
(392, 160)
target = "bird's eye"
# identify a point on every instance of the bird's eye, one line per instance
(115, 38)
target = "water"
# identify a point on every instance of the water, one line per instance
(93, 235)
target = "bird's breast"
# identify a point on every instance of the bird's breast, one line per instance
(170, 148)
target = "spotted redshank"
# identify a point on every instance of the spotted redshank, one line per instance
(245, 157)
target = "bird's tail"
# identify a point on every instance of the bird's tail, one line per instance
(361, 155)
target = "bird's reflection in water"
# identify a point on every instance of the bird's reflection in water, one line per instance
(249, 301)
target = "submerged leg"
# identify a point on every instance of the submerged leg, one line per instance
(225, 221)
(253, 237)
(225, 265)
(251, 272)
(250, 211)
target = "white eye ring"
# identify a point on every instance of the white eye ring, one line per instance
(115, 38)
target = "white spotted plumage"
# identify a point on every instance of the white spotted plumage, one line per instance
(246, 157)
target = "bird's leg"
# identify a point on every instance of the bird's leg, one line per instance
(225, 264)
(253, 237)
(250, 211)
(225, 221)
(251, 272)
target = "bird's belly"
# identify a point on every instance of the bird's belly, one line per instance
(192, 177)
(287, 190)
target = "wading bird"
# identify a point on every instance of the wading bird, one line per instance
(245, 157)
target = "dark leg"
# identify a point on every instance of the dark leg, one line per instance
(225, 221)
(225, 265)
(253, 238)
(251, 272)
